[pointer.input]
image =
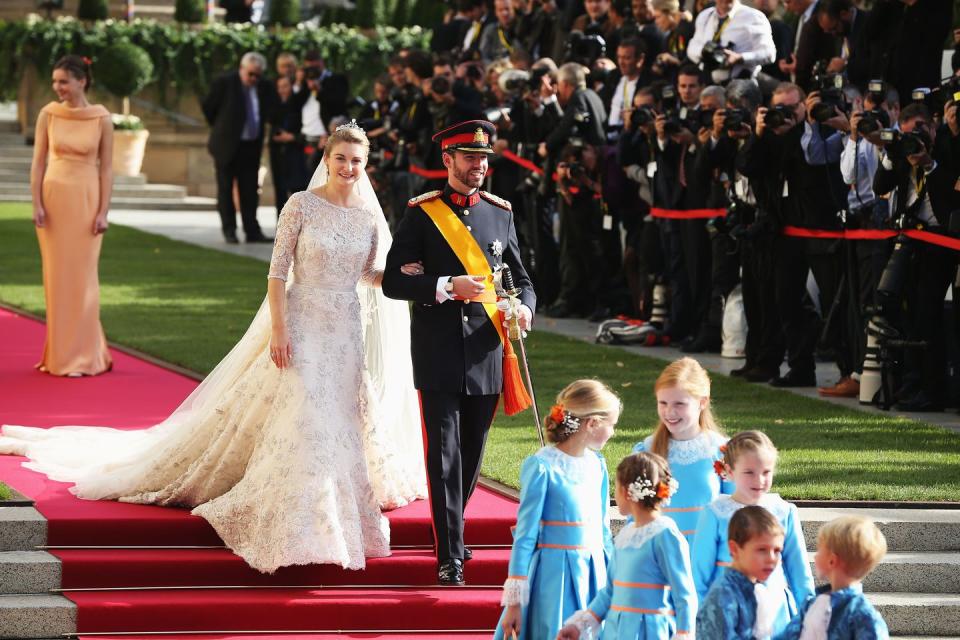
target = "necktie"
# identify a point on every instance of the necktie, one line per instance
(252, 127)
(721, 23)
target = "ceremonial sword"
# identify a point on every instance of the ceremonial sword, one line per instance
(512, 293)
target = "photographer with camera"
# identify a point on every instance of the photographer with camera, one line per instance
(678, 31)
(731, 40)
(618, 96)
(581, 125)
(921, 180)
(866, 259)
(499, 39)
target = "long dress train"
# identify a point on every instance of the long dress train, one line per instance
(289, 466)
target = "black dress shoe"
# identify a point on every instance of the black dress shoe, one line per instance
(467, 554)
(742, 371)
(230, 237)
(795, 379)
(702, 344)
(259, 238)
(451, 573)
(760, 374)
(919, 402)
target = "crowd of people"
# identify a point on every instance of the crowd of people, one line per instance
(707, 550)
(650, 147)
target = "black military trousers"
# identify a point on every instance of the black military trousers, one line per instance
(456, 427)
(765, 343)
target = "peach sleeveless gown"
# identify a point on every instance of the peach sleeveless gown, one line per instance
(70, 252)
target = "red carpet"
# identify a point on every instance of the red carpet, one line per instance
(138, 394)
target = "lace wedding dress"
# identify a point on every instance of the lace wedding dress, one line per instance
(289, 466)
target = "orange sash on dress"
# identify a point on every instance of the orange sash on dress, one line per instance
(465, 247)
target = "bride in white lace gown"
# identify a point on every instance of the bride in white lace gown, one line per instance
(308, 427)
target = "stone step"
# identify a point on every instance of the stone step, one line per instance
(36, 616)
(23, 176)
(189, 203)
(920, 614)
(12, 150)
(15, 162)
(121, 189)
(906, 530)
(929, 572)
(21, 529)
(28, 572)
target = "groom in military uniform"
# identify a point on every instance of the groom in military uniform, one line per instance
(457, 347)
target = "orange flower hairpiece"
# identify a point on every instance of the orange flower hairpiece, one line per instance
(720, 469)
(87, 61)
(663, 490)
(723, 448)
(557, 413)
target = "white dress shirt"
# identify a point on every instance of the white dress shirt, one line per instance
(747, 31)
(622, 96)
(858, 164)
(312, 123)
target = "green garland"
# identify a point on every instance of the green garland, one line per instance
(186, 58)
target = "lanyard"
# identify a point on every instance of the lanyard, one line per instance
(503, 40)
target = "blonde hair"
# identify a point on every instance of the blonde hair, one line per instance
(745, 442)
(582, 399)
(857, 541)
(666, 6)
(749, 522)
(688, 375)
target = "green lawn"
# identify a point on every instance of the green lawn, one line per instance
(188, 305)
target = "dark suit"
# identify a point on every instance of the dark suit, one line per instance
(815, 45)
(288, 164)
(237, 10)
(932, 270)
(584, 117)
(225, 109)
(332, 95)
(457, 354)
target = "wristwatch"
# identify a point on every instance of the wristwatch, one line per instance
(448, 286)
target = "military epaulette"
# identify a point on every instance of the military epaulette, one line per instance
(500, 202)
(426, 197)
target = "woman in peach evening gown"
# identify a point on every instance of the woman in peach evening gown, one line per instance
(71, 182)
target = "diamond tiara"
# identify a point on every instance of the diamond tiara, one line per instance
(352, 125)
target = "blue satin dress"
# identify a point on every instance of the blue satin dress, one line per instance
(710, 552)
(562, 542)
(650, 592)
(691, 464)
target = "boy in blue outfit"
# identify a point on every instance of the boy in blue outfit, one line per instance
(739, 606)
(848, 548)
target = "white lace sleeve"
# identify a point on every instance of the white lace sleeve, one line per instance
(288, 230)
(372, 272)
(586, 623)
(516, 591)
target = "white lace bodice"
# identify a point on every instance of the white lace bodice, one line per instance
(633, 536)
(330, 247)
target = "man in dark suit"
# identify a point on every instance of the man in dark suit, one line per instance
(330, 88)
(457, 349)
(237, 107)
(924, 186)
(237, 10)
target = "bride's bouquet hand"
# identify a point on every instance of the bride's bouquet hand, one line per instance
(280, 350)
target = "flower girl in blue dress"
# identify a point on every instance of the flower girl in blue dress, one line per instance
(649, 593)
(688, 437)
(562, 541)
(749, 460)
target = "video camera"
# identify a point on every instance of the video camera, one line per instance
(585, 49)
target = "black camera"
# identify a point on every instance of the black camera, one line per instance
(440, 85)
(830, 86)
(671, 109)
(585, 49)
(705, 118)
(734, 119)
(642, 116)
(714, 56)
(577, 171)
(873, 120)
(778, 116)
(899, 145)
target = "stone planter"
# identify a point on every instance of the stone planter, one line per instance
(128, 151)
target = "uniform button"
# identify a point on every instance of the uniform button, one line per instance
(464, 318)
(469, 228)
(466, 212)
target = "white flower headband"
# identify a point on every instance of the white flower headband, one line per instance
(643, 487)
